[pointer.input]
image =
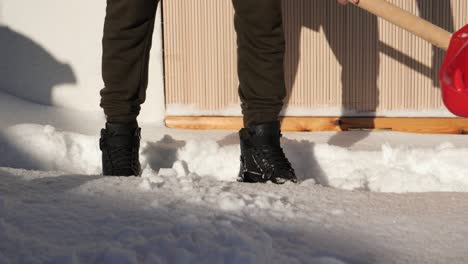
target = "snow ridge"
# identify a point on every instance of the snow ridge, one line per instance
(390, 169)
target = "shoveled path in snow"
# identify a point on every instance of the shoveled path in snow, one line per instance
(187, 207)
(51, 217)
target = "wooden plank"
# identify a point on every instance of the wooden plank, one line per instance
(305, 124)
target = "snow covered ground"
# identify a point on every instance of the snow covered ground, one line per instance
(365, 197)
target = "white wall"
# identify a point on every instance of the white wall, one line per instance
(50, 52)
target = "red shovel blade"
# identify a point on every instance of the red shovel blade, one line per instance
(454, 74)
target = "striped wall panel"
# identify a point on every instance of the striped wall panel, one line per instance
(339, 60)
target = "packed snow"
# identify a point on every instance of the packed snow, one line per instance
(377, 197)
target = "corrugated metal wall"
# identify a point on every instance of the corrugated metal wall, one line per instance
(337, 57)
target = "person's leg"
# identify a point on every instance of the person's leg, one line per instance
(128, 30)
(261, 48)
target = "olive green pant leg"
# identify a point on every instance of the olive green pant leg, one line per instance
(128, 31)
(261, 48)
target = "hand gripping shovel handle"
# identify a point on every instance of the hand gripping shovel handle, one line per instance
(404, 19)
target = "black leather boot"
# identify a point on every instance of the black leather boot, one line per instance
(262, 158)
(120, 144)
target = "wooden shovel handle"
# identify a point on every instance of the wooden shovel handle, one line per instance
(404, 19)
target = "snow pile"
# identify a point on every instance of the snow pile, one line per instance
(44, 148)
(404, 169)
(390, 169)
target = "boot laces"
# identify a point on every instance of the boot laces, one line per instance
(275, 158)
